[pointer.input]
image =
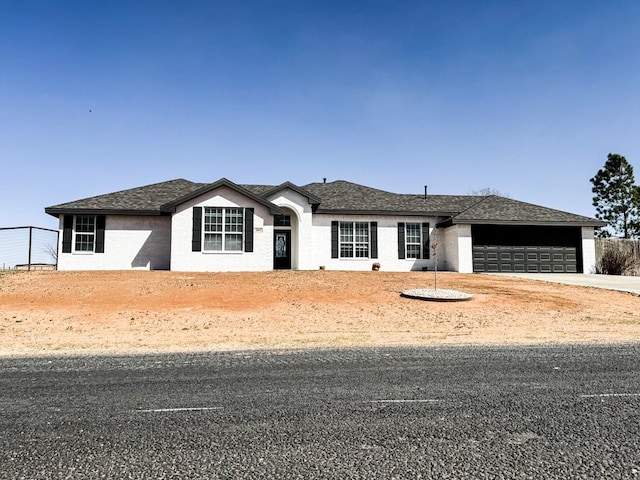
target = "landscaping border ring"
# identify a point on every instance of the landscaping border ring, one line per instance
(436, 295)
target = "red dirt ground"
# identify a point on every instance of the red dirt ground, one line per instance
(140, 311)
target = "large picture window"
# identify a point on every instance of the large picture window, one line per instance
(85, 233)
(354, 239)
(223, 229)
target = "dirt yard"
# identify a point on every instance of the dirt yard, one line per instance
(118, 312)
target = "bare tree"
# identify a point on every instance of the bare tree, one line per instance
(489, 191)
(52, 250)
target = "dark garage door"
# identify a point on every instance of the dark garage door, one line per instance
(532, 259)
(525, 249)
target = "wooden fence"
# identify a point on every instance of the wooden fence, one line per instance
(631, 246)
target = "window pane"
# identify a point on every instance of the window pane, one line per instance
(212, 241)
(223, 229)
(84, 233)
(413, 251)
(354, 239)
(362, 232)
(346, 232)
(362, 239)
(85, 223)
(362, 250)
(233, 220)
(233, 242)
(413, 242)
(212, 219)
(346, 250)
(412, 233)
(282, 220)
(84, 242)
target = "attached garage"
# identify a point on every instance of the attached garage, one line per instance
(526, 249)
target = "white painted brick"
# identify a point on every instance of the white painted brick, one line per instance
(588, 250)
(131, 242)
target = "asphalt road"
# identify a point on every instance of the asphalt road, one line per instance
(565, 412)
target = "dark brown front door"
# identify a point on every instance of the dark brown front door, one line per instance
(282, 249)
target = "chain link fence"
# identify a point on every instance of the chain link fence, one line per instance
(28, 248)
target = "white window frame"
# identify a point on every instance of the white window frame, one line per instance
(227, 229)
(351, 243)
(409, 241)
(79, 234)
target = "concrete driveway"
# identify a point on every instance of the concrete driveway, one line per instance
(609, 282)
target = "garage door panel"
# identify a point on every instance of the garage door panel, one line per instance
(521, 259)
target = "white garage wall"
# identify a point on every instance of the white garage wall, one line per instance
(588, 250)
(130, 242)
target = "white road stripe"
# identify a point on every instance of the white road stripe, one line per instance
(180, 409)
(605, 395)
(427, 400)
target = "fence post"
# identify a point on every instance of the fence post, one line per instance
(30, 241)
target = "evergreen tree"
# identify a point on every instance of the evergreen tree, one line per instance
(616, 197)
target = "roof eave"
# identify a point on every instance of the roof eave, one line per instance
(405, 213)
(571, 223)
(57, 211)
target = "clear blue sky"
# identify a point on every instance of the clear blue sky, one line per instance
(526, 97)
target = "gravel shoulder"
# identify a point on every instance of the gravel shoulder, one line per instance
(43, 313)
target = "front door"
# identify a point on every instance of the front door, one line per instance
(282, 249)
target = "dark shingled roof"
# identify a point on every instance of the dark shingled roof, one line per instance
(347, 197)
(145, 200)
(336, 197)
(494, 209)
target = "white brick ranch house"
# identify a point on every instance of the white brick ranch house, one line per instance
(224, 226)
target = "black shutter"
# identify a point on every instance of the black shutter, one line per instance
(374, 239)
(426, 247)
(248, 229)
(401, 252)
(67, 233)
(196, 238)
(100, 224)
(334, 239)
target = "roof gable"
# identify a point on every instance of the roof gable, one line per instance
(313, 200)
(170, 207)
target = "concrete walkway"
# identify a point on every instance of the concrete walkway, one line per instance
(609, 282)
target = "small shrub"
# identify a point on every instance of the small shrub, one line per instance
(616, 260)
